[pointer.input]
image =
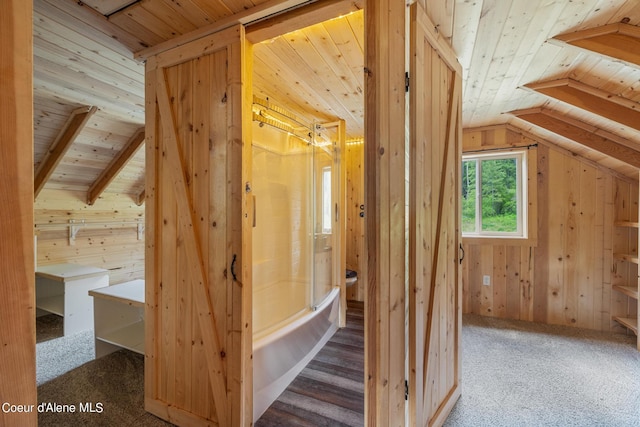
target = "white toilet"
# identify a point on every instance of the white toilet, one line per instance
(352, 277)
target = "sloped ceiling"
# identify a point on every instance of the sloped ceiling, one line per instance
(511, 50)
(76, 65)
(523, 60)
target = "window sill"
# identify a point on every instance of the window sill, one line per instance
(494, 240)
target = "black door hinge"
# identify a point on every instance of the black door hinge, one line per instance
(406, 390)
(406, 81)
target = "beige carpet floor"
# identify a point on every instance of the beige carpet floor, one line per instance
(525, 374)
(514, 374)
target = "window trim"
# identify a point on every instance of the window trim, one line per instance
(522, 191)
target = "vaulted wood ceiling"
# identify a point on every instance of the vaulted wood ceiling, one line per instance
(560, 56)
(565, 71)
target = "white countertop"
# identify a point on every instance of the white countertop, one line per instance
(62, 272)
(129, 292)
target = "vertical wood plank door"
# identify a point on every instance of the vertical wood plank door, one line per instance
(434, 231)
(198, 269)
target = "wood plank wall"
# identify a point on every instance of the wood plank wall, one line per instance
(17, 315)
(565, 277)
(385, 349)
(356, 257)
(105, 242)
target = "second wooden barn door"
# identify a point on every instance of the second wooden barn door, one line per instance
(198, 287)
(434, 235)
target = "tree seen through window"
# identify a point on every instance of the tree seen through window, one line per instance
(491, 194)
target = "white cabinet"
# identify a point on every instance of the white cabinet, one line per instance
(62, 289)
(118, 312)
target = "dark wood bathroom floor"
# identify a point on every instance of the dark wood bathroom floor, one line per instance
(330, 389)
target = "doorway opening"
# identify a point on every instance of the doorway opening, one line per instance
(306, 82)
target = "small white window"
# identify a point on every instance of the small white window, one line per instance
(494, 195)
(326, 200)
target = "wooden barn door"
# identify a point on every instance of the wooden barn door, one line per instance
(198, 268)
(434, 280)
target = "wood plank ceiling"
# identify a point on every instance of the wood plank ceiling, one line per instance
(558, 70)
(520, 55)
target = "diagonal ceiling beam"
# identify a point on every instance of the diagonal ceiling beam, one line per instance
(588, 98)
(581, 133)
(618, 41)
(114, 168)
(70, 131)
(140, 197)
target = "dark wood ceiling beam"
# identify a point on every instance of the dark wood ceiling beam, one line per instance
(588, 98)
(114, 168)
(618, 41)
(581, 133)
(69, 132)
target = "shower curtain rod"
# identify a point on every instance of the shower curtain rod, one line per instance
(281, 112)
(277, 124)
(287, 125)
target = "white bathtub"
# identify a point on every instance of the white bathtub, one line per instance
(280, 353)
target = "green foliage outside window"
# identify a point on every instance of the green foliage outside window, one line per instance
(498, 187)
(469, 196)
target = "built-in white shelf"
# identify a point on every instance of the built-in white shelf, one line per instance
(130, 337)
(62, 289)
(53, 304)
(119, 317)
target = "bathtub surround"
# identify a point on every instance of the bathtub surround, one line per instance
(294, 242)
(330, 389)
(282, 247)
(280, 356)
(296, 236)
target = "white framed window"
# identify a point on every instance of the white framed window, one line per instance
(326, 200)
(494, 194)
